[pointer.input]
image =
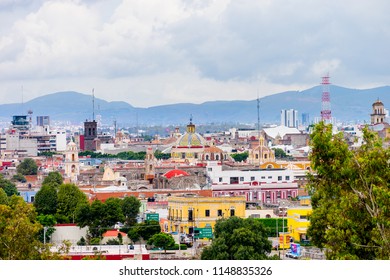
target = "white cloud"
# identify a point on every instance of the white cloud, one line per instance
(158, 52)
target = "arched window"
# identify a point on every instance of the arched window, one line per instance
(217, 157)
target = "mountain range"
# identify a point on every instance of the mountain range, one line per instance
(347, 105)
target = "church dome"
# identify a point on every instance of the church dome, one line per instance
(377, 103)
(71, 146)
(190, 138)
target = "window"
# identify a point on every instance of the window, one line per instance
(241, 179)
(219, 213)
(196, 155)
(207, 157)
(278, 194)
(220, 179)
(209, 169)
(217, 157)
(183, 155)
(287, 178)
(233, 180)
(207, 213)
(232, 212)
(252, 178)
(269, 177)
(280, 178)
(268, 194)
(262, 177)
(190, 215)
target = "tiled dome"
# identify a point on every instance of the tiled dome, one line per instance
(191, 138)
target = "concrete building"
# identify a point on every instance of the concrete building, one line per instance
(266, 186)
(289, 118)
(298, 222)
(187, 212)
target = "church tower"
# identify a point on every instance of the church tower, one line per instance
(150, 169)
(72, 165)
(378, 112)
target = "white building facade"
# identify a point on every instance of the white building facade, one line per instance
(267, 186)
(289, 118)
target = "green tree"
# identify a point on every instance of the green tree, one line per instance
(130, 209)
(100, 216)
(280, 153)
(45, 201)
(3, 197)
(350, 196)
(238, 239)
(112, 213)
(144, 230)
(27, 167)
(54, 179)
(48, 222)
(238, 157)
(9, 187)
(19, 178)
(160, 155)
(19, 231)
(162, 240)
(69, 198)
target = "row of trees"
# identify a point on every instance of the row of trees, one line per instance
(129, 155)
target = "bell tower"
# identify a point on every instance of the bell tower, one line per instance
(150, 169)
(378, 112)
(72, 165)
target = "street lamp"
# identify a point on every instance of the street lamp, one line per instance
(283, 209)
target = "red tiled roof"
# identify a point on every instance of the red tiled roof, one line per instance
(113, 233)
(175, 173)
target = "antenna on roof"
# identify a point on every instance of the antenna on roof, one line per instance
(258, 128)
(22, 99)
(93, 104)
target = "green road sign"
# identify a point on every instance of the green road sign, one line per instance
(152, 217)
(203, 232)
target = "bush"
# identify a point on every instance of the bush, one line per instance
(95, 241)
(176, 247)
(113, 241)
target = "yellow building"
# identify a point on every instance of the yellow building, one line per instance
(298, 222)
(191, 211)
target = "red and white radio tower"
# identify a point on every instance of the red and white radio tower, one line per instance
(326, 114)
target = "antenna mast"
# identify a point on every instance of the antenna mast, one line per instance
(326, 113)
(93, 104)
(258, 129)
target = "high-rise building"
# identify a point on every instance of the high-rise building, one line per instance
(305, 119)
(289, 118)
(43, 120)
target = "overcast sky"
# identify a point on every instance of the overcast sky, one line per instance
(155, 52)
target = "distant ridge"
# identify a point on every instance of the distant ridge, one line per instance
(347, 105)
